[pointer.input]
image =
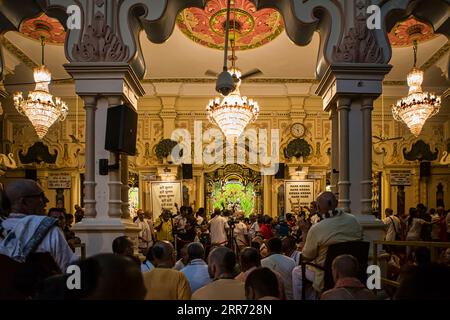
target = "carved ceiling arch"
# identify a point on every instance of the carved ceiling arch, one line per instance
(345, 37)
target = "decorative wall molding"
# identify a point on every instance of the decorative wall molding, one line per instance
(19, 54)
(99, 43)
(359, 44)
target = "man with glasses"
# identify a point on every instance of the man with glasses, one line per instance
(27, 230)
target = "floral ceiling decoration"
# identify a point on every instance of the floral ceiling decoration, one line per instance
(45, 26)
(253, 28)
(400, 35)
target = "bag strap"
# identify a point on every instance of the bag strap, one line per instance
(393, 223)
(41, 231)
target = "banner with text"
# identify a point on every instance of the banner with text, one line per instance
(298, 193)
(164, 195)
(401, 177)
(63, 181)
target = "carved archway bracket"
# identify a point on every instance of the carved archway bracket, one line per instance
(344, 36)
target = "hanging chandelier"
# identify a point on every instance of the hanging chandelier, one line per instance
(418, 106)
(39, 107)
(233, 112)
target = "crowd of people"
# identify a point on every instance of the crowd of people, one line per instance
(222, 257)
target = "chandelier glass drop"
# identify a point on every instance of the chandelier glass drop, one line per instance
(233, 112)
(39, 107)
(418, 106)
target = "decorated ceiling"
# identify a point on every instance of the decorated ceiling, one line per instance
(411, 29)
(250, 28)
(46, 27)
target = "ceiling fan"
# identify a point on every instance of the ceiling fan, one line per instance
(229, 79)
(382, 138)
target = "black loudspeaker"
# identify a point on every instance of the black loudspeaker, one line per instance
(280, 172)
(31, 174)
(425, 169)
(187, 171)
(121, 130)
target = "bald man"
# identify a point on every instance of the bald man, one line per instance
(221, 263)
(347, 285)
(27, 230)
(163, 282)
(338, 226)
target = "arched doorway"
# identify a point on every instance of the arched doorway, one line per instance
(234, 187)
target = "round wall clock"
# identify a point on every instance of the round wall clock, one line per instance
(298, 130)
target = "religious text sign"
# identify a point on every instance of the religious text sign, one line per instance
(60, 182)
(298, 194)
(164, 196)
(400, 177)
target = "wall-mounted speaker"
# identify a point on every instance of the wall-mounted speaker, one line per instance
(425, 169)
(280, 172)
(31, 174)
(187, 171)
(121, 130)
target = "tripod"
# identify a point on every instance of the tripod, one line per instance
(232, 243)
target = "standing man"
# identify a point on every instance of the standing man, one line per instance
(164, 226)
(218, 227)
(145, 235)
(393, 226)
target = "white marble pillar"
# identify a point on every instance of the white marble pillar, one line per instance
(125, 188)
(334, 150)
(343, 109)
(366, 182)
(90, 105)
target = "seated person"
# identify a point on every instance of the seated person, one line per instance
(337, 227)
(347, 285)
(262, 284)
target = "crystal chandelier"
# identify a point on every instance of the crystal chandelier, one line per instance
(40, 108)
(418, 106)
(233, 112)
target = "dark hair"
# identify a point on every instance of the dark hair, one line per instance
(274, 245)
(263, 282)
(412, 214)
(229, 261)
(60, 210)
(249, 257)
(195, 250)
(121, 244)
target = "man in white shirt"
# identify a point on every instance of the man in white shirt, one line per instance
(392, 224)
(241, 233)
(218, 227)
(280, 263)
(27, 230)
(337, 227)
(145, 235)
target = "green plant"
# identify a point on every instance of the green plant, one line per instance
(297, 148)
(164, 148)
